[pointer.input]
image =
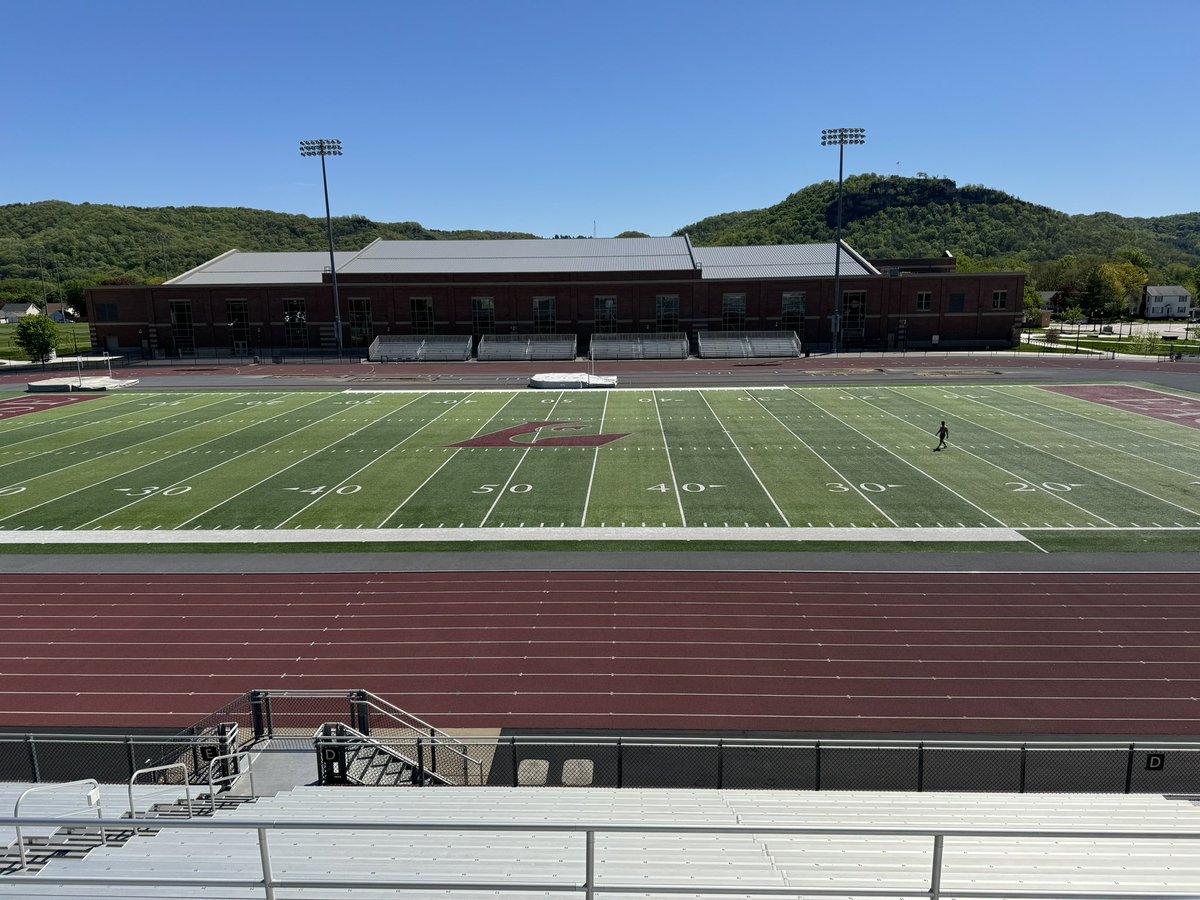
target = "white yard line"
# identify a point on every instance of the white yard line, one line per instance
(446, 462)
(670, 465)
(912, 466)
(223, 462)
(1106, 424)
(782, 515)
(595, 459)
(1060, 458)
(10, 428)
(360, 469)
(92, 461)
(832, 468)
(513, 474)
(303, 458)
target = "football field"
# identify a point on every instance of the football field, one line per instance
(1024, 463)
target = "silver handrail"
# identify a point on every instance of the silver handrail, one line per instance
(587, 884)
(187, 789)
(454, 745)
(93, 799)
(214, 779)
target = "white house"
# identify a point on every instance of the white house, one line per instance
(11, 313)
(1167, 302)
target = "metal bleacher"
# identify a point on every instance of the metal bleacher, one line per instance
(666, 345)
(470, 843)
(493, 347)
(747, 344)
(419, 348)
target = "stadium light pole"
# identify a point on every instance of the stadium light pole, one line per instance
(325, 147)
(841, 137)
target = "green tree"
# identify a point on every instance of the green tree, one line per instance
(37, 336)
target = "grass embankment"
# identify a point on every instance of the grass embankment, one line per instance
(70, 336)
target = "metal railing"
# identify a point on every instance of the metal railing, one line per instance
(227, 769)
(153, 770)
(588, 883)
(93, 803)
(109, 758)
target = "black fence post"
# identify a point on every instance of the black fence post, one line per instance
(1024, 754)
(1129, 771)
(33, 760)
(512, 748)
(360, 713)
(433, 753)
(258, 713)
(921, 766)
(817, 768)
(420, 761)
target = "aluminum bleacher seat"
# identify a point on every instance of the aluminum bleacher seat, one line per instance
(741, 859)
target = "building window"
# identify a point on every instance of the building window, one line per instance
(733, 312)
(604, 310)
(295, 323)
(666, 312)
(957, 302)
(422, 314)
(360, 321)
(104, 312)
(924, 301)
(237, 317)
(999, 299)
(544, 315)
(483, 315)
(854, 313)
(182, 333)
(791, 313)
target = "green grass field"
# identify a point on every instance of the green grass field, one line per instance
(777, 465)
(70, 336)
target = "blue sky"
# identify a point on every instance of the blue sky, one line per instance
(548, 117)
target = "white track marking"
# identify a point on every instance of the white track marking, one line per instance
(1060, 458)
(745, 461)
(832, 468)
(670, 465)
(446, 462)
(595, 459)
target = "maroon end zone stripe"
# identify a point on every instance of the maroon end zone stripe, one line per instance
(1155, 404)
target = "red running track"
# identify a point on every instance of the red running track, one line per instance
(875, 653)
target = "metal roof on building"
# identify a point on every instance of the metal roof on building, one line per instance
(1166, 290)
(779, 261)
(236, 267)
(566, 255)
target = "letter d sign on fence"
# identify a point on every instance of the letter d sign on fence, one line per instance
(1155, 762)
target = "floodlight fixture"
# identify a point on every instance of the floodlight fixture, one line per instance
(324, 147)
(839, 137)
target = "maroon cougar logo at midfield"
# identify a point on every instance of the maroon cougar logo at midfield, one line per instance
(506, 437)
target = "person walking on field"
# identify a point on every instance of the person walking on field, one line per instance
(942, 434)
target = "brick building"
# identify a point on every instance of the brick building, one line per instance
(280, 303)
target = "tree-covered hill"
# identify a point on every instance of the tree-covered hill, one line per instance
(920, 217)
(97, 241)
(53, 250)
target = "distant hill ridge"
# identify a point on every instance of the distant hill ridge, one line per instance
(884, 216)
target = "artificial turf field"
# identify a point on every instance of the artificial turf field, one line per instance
(1089, 467)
